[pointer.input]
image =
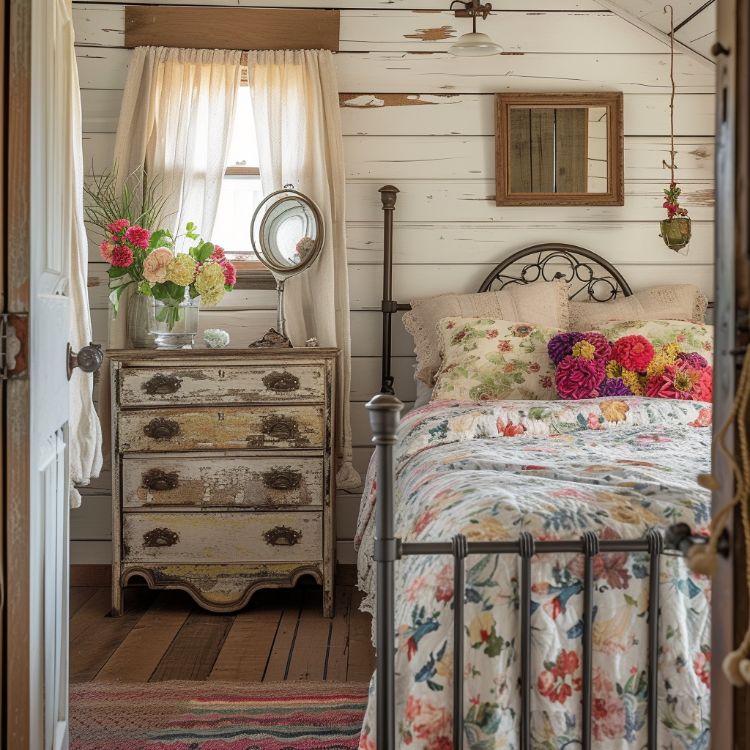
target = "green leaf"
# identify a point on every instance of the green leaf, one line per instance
(202, 251)
(115, 272)
(160, 238)
(114, 297)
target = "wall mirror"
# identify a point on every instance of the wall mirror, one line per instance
(287, 234)
(559, 149)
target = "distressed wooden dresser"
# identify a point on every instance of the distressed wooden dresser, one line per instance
(223, 471)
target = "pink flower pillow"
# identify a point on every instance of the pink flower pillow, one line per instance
(587, 365)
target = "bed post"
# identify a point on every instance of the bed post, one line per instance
(385, 410)
(388, 306)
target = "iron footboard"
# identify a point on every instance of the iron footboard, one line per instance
(384, 411)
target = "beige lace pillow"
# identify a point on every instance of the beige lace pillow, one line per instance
(669, 302)
(544, 304)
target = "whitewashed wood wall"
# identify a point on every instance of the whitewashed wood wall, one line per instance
(415, 116)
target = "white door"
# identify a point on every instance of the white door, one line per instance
(39, 236)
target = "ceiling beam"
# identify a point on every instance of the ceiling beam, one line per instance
(654, 32)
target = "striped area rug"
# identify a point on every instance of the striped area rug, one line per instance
(216, 716)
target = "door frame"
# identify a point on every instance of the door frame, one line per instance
(17, 418)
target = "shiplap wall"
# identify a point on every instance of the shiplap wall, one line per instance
(415, 116)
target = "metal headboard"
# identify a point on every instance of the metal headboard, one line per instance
(591, 277)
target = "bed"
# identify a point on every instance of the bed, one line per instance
(550, 517)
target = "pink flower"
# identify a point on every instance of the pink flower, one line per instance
(703, 419)
(633, 352)
(230, 272)
(681, 382)
(115, 227)
(702, 667)
(155, 265)
(122, 256)
(218, 253)
(105, 250)
(578, 378)
(138, 236)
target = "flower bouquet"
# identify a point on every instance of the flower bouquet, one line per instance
(175, 280)
(675, 229)
(589, 366)
(145, 258)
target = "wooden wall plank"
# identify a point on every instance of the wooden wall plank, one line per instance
(441, 72)
(556, 32)
(394, 158)
(431, 5)
(232, 28)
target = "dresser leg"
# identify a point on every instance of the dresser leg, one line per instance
(328, 597)
(118, 599)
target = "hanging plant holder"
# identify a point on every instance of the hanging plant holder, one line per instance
(675, 229)
(676, 232)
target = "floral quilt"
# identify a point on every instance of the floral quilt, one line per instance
(618, 466)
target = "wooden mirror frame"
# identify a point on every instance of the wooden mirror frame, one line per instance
(612, 100)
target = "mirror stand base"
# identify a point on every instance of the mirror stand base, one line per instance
(271, 339)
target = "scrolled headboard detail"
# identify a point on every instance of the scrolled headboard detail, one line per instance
(591, 277)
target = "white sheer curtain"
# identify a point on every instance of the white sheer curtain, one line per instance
(85, 429)
(175, 120)
(298, 125)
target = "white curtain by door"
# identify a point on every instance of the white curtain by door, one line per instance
(85, 432)
(298, 125)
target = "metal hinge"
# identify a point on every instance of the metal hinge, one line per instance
(13, 337)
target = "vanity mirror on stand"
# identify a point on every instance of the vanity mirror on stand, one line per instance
(287, 234)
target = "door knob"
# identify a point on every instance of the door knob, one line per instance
(89, 358)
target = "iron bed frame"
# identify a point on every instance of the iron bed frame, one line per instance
(548, 261)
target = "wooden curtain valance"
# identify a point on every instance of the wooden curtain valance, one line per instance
(231, 28)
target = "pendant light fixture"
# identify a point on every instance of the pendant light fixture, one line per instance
(474, 44)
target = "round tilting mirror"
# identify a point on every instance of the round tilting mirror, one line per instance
(287, 234)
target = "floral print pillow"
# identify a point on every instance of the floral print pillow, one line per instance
(484, 359)
(690, 337)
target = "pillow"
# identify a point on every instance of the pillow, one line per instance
(486, 359)
(544, 304)
(670, 302)
(588, 365)
(690, 337)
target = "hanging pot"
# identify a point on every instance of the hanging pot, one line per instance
(676, 232)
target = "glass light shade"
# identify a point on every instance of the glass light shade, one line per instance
(474, 44)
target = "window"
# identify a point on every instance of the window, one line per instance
(241, 191)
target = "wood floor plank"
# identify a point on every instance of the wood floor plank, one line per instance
(96, 607)
(79, 595)
(138, 656)
(361, 653)
(92, 646)
(193, 652)
(247, 648)
(278, 662)
(338, 643)
(310, 650)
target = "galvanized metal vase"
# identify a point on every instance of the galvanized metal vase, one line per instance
(676, 232)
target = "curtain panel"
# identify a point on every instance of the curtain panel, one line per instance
(298, 127)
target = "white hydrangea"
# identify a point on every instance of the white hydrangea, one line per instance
(215, 338)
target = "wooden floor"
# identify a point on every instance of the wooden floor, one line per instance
(280, 635)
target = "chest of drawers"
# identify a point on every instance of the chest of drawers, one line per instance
(223, 471)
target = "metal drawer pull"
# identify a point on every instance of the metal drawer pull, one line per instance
(281, 381)
(160, 538)
(282, 479)
(160, 481)
(282, 536)
(280, 428)
(161, 429)
(161, 385)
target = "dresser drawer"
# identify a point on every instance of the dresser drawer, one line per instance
(145, 386)
(204, 482)
(228, 537)
(230, 428)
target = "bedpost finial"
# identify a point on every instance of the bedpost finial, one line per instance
(385, 410)
(388, 195)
